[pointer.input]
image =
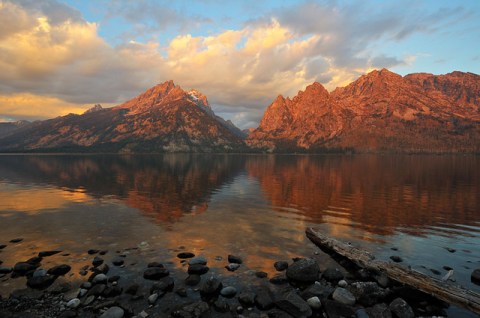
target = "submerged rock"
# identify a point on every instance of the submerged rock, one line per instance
(60, 270)
(280, 265)
(184, 255)
(475, 277)
(234, 259)
(155, 273)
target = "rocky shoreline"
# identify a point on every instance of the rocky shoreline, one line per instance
(199, 287)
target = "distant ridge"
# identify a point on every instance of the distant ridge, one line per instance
(165, 118)
(379, 112)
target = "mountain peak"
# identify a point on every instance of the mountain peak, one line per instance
(94, 108)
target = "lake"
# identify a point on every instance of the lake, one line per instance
(254, 206)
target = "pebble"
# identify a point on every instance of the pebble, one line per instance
(82, 292)
(155, 264)
(396, 259)
(192, 280)
(261, 274)
(5, 270)
(113, 312)
(143, 314)
(202, 260)
(152, 298)
(401, 309)
(232, 267)
(118, 261)
(314, 302)
(475, 277)
(211, 285)
(343, 296)
(100, 279)
(74, 303)
(280, 265)
(89, 300)
(2, 246)
(155, 273)
(234, 259)
(86, 285)
(97, 261)
(48, 253)
(332, 274)
(303, 270)
(184, 255)
(198, 269)
(342, 283)
(60, 270)
(16, 240)
(91, 252)
(228, 291)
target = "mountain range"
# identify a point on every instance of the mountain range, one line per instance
(379, 112)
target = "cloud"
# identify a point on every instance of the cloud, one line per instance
(53, 62)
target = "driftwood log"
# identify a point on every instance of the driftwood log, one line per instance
(446, 291)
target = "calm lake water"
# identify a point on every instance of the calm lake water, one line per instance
(255, 206)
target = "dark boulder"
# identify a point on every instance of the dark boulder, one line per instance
(59, 270)
(155, 273)
(304, 270)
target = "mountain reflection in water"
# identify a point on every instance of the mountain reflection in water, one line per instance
(257, 206)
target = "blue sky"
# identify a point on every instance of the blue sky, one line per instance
(58, 57)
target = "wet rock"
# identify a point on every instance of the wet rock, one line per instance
(155, 273)
(368, 293)
(39, 272)
(314, 303)
(23, 268)
(221, 305)
(434, 271)
(132, 289)
(396, 258)
(278, 280)
(401, 309)
(184, 255)
(261, 274)
(34, 260)
(447, 268)
(379, 311)
(211, 285)
(97, 261)
(41, 282)
(277, 313)
(294, 305)
(361, 313)
(68, 314)
(165, 284)
(48, 253)
(155, 264)
(2, 246)
(335, 309)
(234, 259)
(343, 296)
(451, 250)
(304, 270)
(192, 280)
(73, 303)
(280, 265)
(16, 240)
(96, 290)
(247, 298)
(118, 261)
(475, 277)
(342, 283)
(103, 252)
(382, 280)
(232, 267)
(88, 300)
(86, 285)
(114, 278)
(112, 291)
(333, 275)
(100, 279)
(198, 269)
(182, 292)
(113, 312)
(202, 260)
(5, 270)
(193, 310)
(59, 270)
(228, 291)
(92, 251)
(152, 299)
(318, 290)
(263, 300)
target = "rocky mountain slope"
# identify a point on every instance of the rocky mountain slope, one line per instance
(380, 111)
(165, 118)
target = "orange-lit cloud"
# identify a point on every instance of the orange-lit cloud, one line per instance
(55, 55)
